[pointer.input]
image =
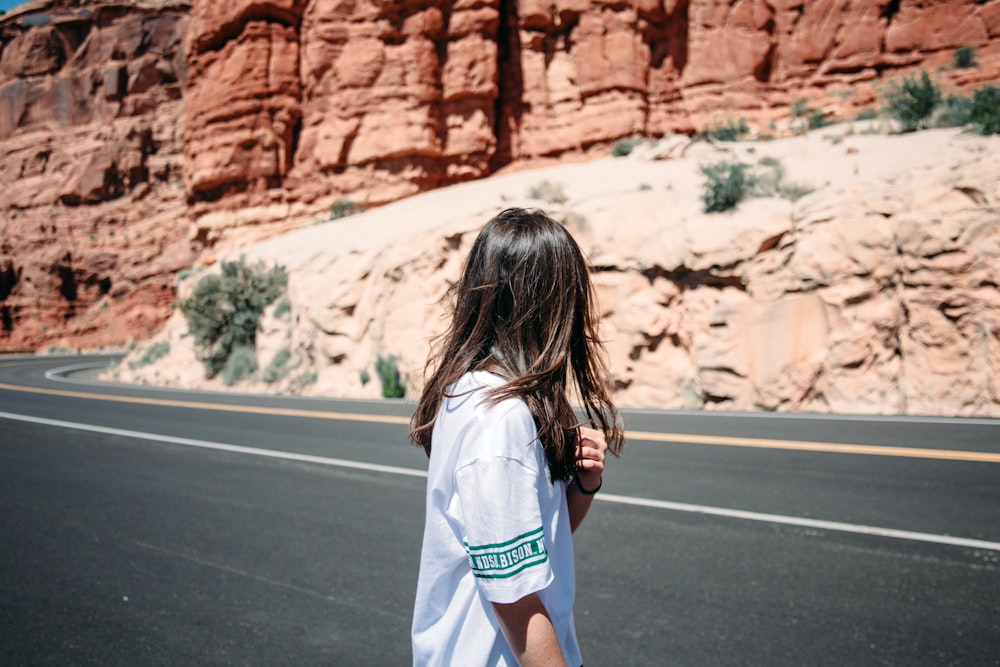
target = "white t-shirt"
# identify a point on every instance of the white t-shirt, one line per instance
(496, 529)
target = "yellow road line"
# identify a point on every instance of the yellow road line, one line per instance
(218, 407)
(831, 447)
(680, 438)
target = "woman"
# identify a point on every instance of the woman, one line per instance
(512, 471)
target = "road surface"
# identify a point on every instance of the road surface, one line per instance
(153, 527)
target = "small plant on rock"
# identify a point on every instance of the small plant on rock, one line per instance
(154, 352)
(278, 368)
(624, 147)
(343, 208)
(388, 373)
(816, 120)
(241, 365)
(726, 184)
(964, 57)
(954, 111)
(984, 113)
(912, 100)
(223, 312)
(728, 130)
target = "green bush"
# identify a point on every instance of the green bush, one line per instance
(912, 100)
(623, 147)
(241, 365)
(153, 353)
(816, 120)
(551, 193)
(954, 111)
(304, 380)
(224, 310)
(726, 184)
(344, 208)
(278, 368)
(282, 308)
(984, 112)
(728, 131)
(964, 57)
(867, 114)
(388, 373)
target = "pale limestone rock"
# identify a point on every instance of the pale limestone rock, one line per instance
(852, 299)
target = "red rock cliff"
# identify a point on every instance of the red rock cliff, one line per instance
(377, 100)
(94, 226)
(128, 128)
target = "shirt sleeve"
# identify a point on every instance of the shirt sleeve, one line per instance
(499, 497)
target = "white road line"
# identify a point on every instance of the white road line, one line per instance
(802, 522)
(604, 497)
(205, 444)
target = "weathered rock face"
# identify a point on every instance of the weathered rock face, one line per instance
(372, 101)
(94, 215)
(143, 136)
(875, 293)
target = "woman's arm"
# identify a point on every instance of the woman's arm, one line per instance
(591, 449)
(528, 629)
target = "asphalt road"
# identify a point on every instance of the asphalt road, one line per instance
(195, 528)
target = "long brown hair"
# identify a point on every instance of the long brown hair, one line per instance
(525, 309)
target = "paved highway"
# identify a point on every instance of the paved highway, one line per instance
(152, 527)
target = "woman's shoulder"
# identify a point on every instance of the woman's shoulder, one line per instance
(481, 387)
(470, 400)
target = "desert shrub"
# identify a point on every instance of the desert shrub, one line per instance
(623, 147)
(343, 208)
(364, 376)
(816, 120)
(241, 365)
(728, 130)
(800, 107)
(278, 368)
(867, 114)
(954, 111)
(282, 308)
(387, 370)
(153, 353)
(984, 112)
(726, 184)
(304, 380)
(224, 310)
(546, 191)
(964, 57)
(912, 100)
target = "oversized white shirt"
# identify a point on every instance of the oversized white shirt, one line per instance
(497, 529)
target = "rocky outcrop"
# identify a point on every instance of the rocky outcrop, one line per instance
(150, 135)
(94, 213)
(874, 293)
(374, 101)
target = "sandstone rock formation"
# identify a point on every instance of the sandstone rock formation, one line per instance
(875, 293)
(372, 101)
(141, 137)
(94, 215)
